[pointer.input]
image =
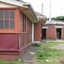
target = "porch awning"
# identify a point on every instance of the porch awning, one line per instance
(30, 12)
(30, 15)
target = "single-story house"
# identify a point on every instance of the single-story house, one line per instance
(19, 27)
(53, 30)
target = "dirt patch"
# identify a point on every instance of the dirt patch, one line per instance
(61, 62)
(60, 46)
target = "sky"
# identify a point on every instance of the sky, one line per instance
(57, 7)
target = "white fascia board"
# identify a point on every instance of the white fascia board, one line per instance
(13, 2)
(58, 26)
(44, 27)
(41, 17)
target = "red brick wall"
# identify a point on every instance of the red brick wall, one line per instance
(63, 33)
(51, 32)
(37, 31)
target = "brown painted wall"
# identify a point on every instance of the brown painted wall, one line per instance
(37, 31)
(17, 41)
(8, 42)
(29, 30)
(13, 44)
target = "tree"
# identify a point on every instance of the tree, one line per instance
(58, 18)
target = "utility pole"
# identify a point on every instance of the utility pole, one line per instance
(50, 11)
(42, 10)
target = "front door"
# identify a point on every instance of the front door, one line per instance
(58, 32)
(43, 33)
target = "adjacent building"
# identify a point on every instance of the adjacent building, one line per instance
(53, 30)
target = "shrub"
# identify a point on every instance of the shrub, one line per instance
(36, 44)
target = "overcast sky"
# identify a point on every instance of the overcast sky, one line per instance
(57, 7)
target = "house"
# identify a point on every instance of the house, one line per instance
(53, 30)
(19, 27)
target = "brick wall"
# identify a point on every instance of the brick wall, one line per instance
(51, 32)
(37, 31)
(63, 33)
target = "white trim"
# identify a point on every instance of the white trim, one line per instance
(58, 26)
(36, 42)
(32, 32)
(13, 2)
(44, 27)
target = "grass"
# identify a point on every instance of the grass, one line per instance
(11, 62)
(46, 55)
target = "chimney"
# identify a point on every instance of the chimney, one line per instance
(42, 10)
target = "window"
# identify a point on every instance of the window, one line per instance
(1, 24)
(11, 14)
(11, 24)
(6, 24)
(7, 18)
(6, 14)
(1, 14)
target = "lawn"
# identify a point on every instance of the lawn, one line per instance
(11, 62)
(47, 55)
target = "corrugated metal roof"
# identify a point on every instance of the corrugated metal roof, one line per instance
(54, 22)
(41, 17)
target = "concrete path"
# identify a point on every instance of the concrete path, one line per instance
(28, 57)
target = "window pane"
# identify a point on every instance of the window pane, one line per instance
(1, 24)
(1, 14)
(6, 14)
(6, 24)
(11, 24)
(12, 14)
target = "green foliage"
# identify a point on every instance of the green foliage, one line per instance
(58, 18)
(47, 55)
(16, 61)
(12, 62)
(36, 44)
(2, 62)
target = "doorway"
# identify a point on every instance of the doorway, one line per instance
(58, 32)
(43, 33)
